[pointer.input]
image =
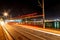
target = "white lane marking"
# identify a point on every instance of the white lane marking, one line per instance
(42, 31)
(31, 34)
(3, 26)
(46, 32)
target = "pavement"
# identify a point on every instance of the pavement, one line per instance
(27, 32)
(39, 28)
(2, 36)
(35, 33)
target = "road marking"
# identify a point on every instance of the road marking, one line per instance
(41, 31)
(46, 32)
(32, 34)
(8, 35)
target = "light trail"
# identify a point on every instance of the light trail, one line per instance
(40, 30)
(8, 37)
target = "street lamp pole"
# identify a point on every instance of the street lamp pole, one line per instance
(43, 13)
(42, 6)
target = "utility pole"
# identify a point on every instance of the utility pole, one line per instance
(43, 13)
(42, 6)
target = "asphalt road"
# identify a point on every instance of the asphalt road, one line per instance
(2, 36)
(22, 33)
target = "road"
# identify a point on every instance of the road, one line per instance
(23, 33)
(2, 36)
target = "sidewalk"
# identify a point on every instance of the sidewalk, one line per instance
(2, 36)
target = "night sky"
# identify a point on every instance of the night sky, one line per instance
(23, 7)
(52, 9)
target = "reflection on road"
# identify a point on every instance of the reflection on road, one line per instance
(19, 32)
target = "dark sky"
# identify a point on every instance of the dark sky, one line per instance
(21, 7)
(52, 9)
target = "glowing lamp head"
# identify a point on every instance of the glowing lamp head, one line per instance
(5, 14)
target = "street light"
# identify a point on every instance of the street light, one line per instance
(43, 13)
(5, 14)
(42, 6)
